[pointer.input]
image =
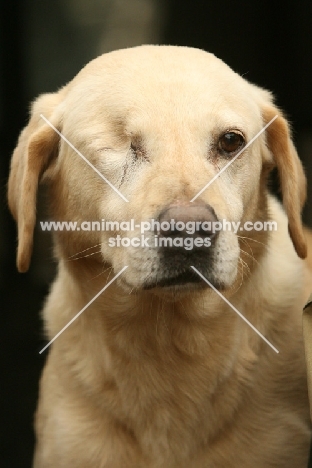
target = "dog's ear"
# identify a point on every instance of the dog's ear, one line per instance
(36, 147)
(291, 174)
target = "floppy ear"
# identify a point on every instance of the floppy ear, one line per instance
(291, 175)
(37, 145)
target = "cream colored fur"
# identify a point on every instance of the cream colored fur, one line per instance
(166, 377)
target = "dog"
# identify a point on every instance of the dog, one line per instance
(192, 356)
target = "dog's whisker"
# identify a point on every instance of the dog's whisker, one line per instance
(84, 256)
(111, 271)
(85, 250)
(102, 273)
(241, 267)
(245, 242)
(131, 290)
(265, 246)
(246, 239)
(241, 270)
(245, 265)
(251, 256)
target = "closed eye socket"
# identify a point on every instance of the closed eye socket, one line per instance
(138, 150)
(231, 142)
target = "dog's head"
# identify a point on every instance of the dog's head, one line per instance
(158, 123)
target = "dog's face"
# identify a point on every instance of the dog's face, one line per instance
(159, 123)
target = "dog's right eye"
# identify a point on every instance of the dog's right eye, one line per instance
(137, 150)
(231, 142)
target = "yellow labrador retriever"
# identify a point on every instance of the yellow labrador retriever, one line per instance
(161, 370)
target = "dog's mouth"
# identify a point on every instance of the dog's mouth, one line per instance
(182, 279)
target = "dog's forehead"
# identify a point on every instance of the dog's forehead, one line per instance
(159, 80)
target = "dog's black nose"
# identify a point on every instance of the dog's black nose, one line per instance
(185, 237)
(187, 220)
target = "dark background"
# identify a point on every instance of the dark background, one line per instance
(43, 44)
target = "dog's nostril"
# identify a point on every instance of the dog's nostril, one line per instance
(193, 220)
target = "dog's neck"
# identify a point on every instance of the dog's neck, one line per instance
(191, 353)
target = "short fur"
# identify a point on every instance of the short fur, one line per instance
(156, 376)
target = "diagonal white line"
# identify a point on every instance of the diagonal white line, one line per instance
(232, 160)
(84, 158)
(84, 308)
(235, 310)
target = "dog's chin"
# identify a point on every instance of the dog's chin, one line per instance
(178, 291)
(181, 280)
(173, 285)
(177, 286)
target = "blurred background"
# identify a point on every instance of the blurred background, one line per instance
(43, 44)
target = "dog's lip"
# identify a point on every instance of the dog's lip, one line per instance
(182, 279)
